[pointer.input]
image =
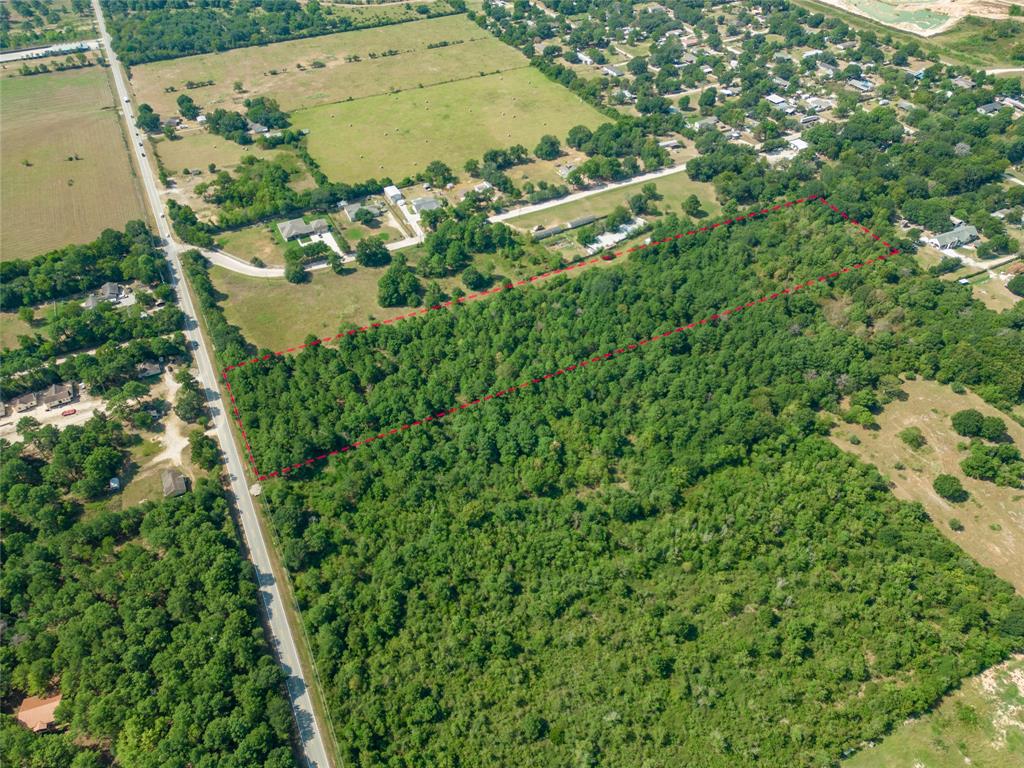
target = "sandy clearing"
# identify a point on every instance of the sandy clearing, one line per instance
(954, 10)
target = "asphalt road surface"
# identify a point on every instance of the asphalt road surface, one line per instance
(282, 637)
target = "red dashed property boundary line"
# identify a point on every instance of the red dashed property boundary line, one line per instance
(723, 314)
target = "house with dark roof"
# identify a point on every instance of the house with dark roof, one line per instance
(25, 402)
(352, 210)
(988, 109)
(173, 483)
(421, 204)
(57, 395)
(147, 370)
(296, 228)
(955, 238)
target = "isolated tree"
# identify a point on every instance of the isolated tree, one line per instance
(707, 99)
(371, 252)
(187, 107)
(692, 206)
(637, 66)
(548, 148)
(913, 437)
(968, 422)
(147, 120)
(398, 286)
(439, 174)
(204, 449)
(365, 217)
(1016, 285)
(950, 488)
(473, 279)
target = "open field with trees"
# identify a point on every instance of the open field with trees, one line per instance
(983, 722)
(65, 174)
(197, 149)
(399, 134)
(992, 516)
(315, 71)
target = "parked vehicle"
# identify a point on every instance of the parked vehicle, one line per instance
(69, 412)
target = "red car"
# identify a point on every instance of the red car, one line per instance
(69, 412)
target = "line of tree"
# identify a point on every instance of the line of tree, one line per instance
(142, 32)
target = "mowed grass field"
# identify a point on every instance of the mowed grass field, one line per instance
(294, 88)
(275, 313)
(399, 134)
(52, 201)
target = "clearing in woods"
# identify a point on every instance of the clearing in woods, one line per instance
(982, 724)
(391, 58)
(993, 517)
(399, 134)
(46, 199)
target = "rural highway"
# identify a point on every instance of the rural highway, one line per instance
(282, 638)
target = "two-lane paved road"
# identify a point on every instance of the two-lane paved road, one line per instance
(280, 629)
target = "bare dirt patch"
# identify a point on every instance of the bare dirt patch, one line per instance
(923, 17)
(993, 517)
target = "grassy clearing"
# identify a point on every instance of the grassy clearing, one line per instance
(398, 134)
(982, 724)
(674, 189)
(11, 327)
(258, 241)
(285, 70)
(198, 148)
(276, 314)
(972, 41)
(993, 517)
(52, 201)
(993, 293)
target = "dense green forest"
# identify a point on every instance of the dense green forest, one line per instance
(658, 557)
(145, 619)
